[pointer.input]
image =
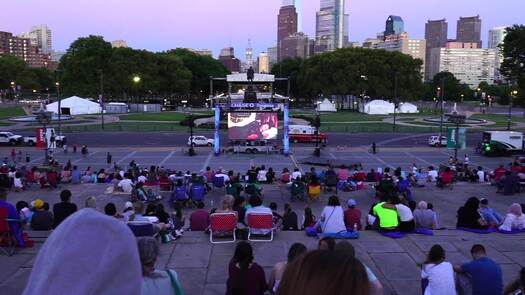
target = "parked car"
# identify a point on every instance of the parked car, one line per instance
(10, 138)
(199, 140)
(434, 141)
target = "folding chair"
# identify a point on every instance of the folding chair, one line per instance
(197, 193)
(7, 238)
(314, 192)
(218, 182)
(166, 185)
(260, 222)
(223, 223)
(141, 229)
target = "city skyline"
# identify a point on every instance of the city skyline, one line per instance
(163, 25)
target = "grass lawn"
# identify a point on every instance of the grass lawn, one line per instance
(164, 116)
(6, 123)
(344, 117)
(129, 126)
(6, 113)
(498, 118)
(376, 127)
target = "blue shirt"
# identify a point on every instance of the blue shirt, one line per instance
(486, 276)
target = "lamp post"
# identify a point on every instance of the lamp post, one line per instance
(191, 151)
(136, 80)
(395, 100)
(441, 94)
(457, 119)
(13, 85)
(512, 95)
(44, 117)
(101, 97)
(317, 151)
(59, 108)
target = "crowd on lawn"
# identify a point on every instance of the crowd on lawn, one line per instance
(395, 210)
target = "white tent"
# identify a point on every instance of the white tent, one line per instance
(378, 107)
(408, 108)
(75, 105)
(326, 106)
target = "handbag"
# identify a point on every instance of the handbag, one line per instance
(175, 284)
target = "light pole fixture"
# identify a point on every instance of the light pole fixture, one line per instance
(57, 84)
(136, 79)
(513, 94)
(44, 117)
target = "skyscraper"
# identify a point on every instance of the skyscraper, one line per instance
(296, 45)
(331, 26)
(263, 63)
(24, 49)
(394, 25)
(496, 38)
(436, 32)
(229, 61)
(286, 22)
(469, 30)
(249, 55)
(41, 37)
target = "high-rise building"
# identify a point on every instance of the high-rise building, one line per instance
(204, 52)
(249, 55)
(469, 30)
(272, 55)
(401, 43)
(56, 55)
(23, 49)
(470, 65)
(119, 43)
(331, 26)
(394, 25)
(229, 61)
(263, 63)
(496, 38)
(436, 32)
(41, 37)
(296, 45)
(286, 23)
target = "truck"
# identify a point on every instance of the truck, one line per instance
(501, 143)
(10, 138)
(199, 140)
(305, 134)
(253, 147)
(60, 140)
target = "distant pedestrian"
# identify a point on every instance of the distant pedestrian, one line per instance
(19, 157)
(13, 155)
(74, 148)
(466, 160)
(108, 158)
(28, 158)
(373, 147)
(65, 148)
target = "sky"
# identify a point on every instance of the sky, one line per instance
(159, 25)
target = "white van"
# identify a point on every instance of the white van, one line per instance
(434, 141)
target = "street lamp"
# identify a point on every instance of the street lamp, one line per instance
(57, 84)
(136, 80)
(513, 94)
(456, 119)
(441, 95)
(44, 117)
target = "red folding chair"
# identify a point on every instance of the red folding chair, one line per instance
(7, 238)
(262, 224)
(221, 223)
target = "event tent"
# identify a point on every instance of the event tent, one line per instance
(378, 107)
(326, 106)
(408, 108)
(75, 105)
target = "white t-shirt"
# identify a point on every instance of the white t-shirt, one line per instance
(261, 176)
(225, 177)
(433, 174)
(481, 176)
(142, 179)
(126, 184)
(334, 220)
(405, 214)
(296, 174)
(440, 279)
(17, 182)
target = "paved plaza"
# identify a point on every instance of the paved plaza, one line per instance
(202, 267)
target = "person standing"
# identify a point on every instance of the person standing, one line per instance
(374, 147)
(108, 158)
(485, 273)
(28, 158)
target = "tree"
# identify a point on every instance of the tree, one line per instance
(201, 68)
(11, 69)
(288, 68)
(513, 50)
(453, 87)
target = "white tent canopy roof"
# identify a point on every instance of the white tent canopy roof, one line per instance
(76, 105)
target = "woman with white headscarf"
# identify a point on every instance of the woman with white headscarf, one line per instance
(89, 253)
(514, 220)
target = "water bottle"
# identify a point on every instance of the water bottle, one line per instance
(211, 204)
(355, 227)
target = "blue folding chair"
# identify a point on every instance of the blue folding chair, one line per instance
(218, 181)
(197, 193)
(142, 229)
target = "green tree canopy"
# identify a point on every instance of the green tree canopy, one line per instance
(513, 49)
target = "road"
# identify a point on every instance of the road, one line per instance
(166, 139)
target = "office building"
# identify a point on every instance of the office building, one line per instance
(496, 38)
(249, 55)
(41, 37)
(401, 43)
(24, 49)
(470, 65)
(469, 30)
(296, 45)
(263, 63)
(436, 36)
(119, 43)
(56, 55)
(353, 44)
(229, 61)
(272, 55)
(203, 52)
(331, 26)
(394, 25)
(455, 45)
(286, 23)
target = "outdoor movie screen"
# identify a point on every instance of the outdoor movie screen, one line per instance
(252, 126)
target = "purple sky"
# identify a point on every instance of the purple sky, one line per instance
(163, 24)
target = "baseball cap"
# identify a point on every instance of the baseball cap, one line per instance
(351, 202)
(39, 203)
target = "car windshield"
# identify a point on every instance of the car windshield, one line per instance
(9, 134)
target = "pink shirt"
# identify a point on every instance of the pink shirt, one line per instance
(342, 174)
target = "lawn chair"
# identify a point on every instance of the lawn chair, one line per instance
(142, 229)
(7, 237)
(221, 223)
(218, 181)
(166, 185)
(179, 195)
(314, 192)
(331, 181)
(197, 193)
(260, 222)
